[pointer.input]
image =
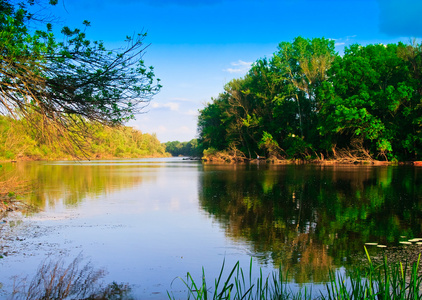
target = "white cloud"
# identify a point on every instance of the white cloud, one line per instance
(170, 105)
(240, 67)
(241, 63)
(343, 42)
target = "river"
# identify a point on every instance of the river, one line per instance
(148, 221)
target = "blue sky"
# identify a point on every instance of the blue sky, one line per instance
(199, 46)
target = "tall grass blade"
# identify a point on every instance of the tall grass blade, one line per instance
(381, 282)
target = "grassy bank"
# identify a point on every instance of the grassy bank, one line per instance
(18, 141)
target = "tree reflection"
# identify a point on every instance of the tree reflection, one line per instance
(310, 218)
(71, 183)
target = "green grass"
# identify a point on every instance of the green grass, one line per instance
(240, 285)
(384, 281)
(398, 281)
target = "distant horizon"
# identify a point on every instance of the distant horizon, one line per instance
(198, 47)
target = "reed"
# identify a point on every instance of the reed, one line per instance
(240, 285)
(384, 281)
(399, 281)
(54, 280)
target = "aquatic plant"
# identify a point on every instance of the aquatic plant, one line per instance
(384, 281)
(239, 285)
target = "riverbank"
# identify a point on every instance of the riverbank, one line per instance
(70, 158)
(19, 142)
(83, 156)
(224, 157)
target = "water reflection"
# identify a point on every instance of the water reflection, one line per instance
(310, 218)
(69, 183)
(307, 218)
(138, 220)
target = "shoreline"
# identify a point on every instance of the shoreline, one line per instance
(229, 159)
(28, 159)
(275, 161)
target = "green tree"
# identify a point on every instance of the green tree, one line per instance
(176, 148)
(303, 65)
(411, 113)
(270, 146)
(268, 89)
(369, 99)
(61, 85)
(212, 124)
(275, 106)
(306, 99)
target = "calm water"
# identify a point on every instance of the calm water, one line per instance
(148, 221)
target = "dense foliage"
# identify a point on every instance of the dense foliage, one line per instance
(17, 141)
(176, 148)
(306, 101)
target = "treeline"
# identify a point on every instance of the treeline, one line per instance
(19, 141)
(307, 102)
(176, 148)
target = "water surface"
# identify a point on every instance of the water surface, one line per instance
(148, 221)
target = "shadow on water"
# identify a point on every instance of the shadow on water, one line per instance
(311, 218)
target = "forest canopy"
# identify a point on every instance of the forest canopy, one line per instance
(306, 101)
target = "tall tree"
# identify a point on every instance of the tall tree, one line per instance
(306, 99)
(212, 125)
(303, 65)
(370, 99)
(412, 108)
